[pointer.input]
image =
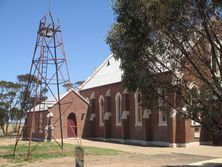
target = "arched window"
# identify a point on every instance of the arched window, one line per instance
(193, 99)
(138, 109)
(101, 110)
(193, 93)
(118, 100)
(162, 107)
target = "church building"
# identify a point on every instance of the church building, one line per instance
(104, 110)
(120, 116)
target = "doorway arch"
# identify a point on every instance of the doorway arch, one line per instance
(71, 125)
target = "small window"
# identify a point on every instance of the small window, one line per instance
(162, 107)
(101, 110)
(138, 109)
(118, 100)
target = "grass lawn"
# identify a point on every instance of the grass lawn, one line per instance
(49, 150)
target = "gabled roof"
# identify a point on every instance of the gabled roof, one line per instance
(107, 73)
(50, 102)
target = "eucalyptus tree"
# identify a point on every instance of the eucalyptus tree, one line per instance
(173, 45)
(8, 103)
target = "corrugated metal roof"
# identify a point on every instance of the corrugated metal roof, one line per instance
(107, 73)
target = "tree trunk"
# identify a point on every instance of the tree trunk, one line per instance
(3, 130)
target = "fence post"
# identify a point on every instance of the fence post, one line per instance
(79, 157)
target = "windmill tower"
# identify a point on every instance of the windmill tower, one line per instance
(48, 74)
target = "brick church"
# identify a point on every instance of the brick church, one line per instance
(104, 110)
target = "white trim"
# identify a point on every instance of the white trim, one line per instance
(125, 114)
(92, 96)
(107, 115)
(146, 113)
(92, 117)
(101, 110)
(125, 91)
(191, 85)
(87, 99)
(137, 122)
(49, 115)
(51, 102)
(108, 93)
(173, 113)
(193, 123)
(162, 124)
(118, 99)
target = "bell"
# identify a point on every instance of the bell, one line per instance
(49, 32)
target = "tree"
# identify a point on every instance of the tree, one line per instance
(8, 103)
(77, 84)
(68, 86)
(173, 45)
(27, 97)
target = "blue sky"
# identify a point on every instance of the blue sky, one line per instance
(84, 24)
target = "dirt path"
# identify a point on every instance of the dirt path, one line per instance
(210, 151)
(133, 156)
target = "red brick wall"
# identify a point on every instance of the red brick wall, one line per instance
(71, 103)
(115, 130)
(160, 133)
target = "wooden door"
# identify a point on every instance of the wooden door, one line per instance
(72, 125)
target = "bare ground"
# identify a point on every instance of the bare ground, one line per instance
(133, 156)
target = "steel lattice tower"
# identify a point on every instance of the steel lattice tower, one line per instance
(49, 66)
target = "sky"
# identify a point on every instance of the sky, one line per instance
(84, 25)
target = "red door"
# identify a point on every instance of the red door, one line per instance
(72, 126)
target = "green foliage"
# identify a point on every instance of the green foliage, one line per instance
(68, 86)
(77, 84)
(154, 39)
(8, 103)
(27, 94)
(17, 98)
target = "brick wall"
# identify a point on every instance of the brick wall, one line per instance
(71, 103)
(159, 133)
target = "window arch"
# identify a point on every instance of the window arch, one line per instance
(193, 93)
(118, 100)
(101, 110)
(138, 108)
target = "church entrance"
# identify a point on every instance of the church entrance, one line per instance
(72, 125)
